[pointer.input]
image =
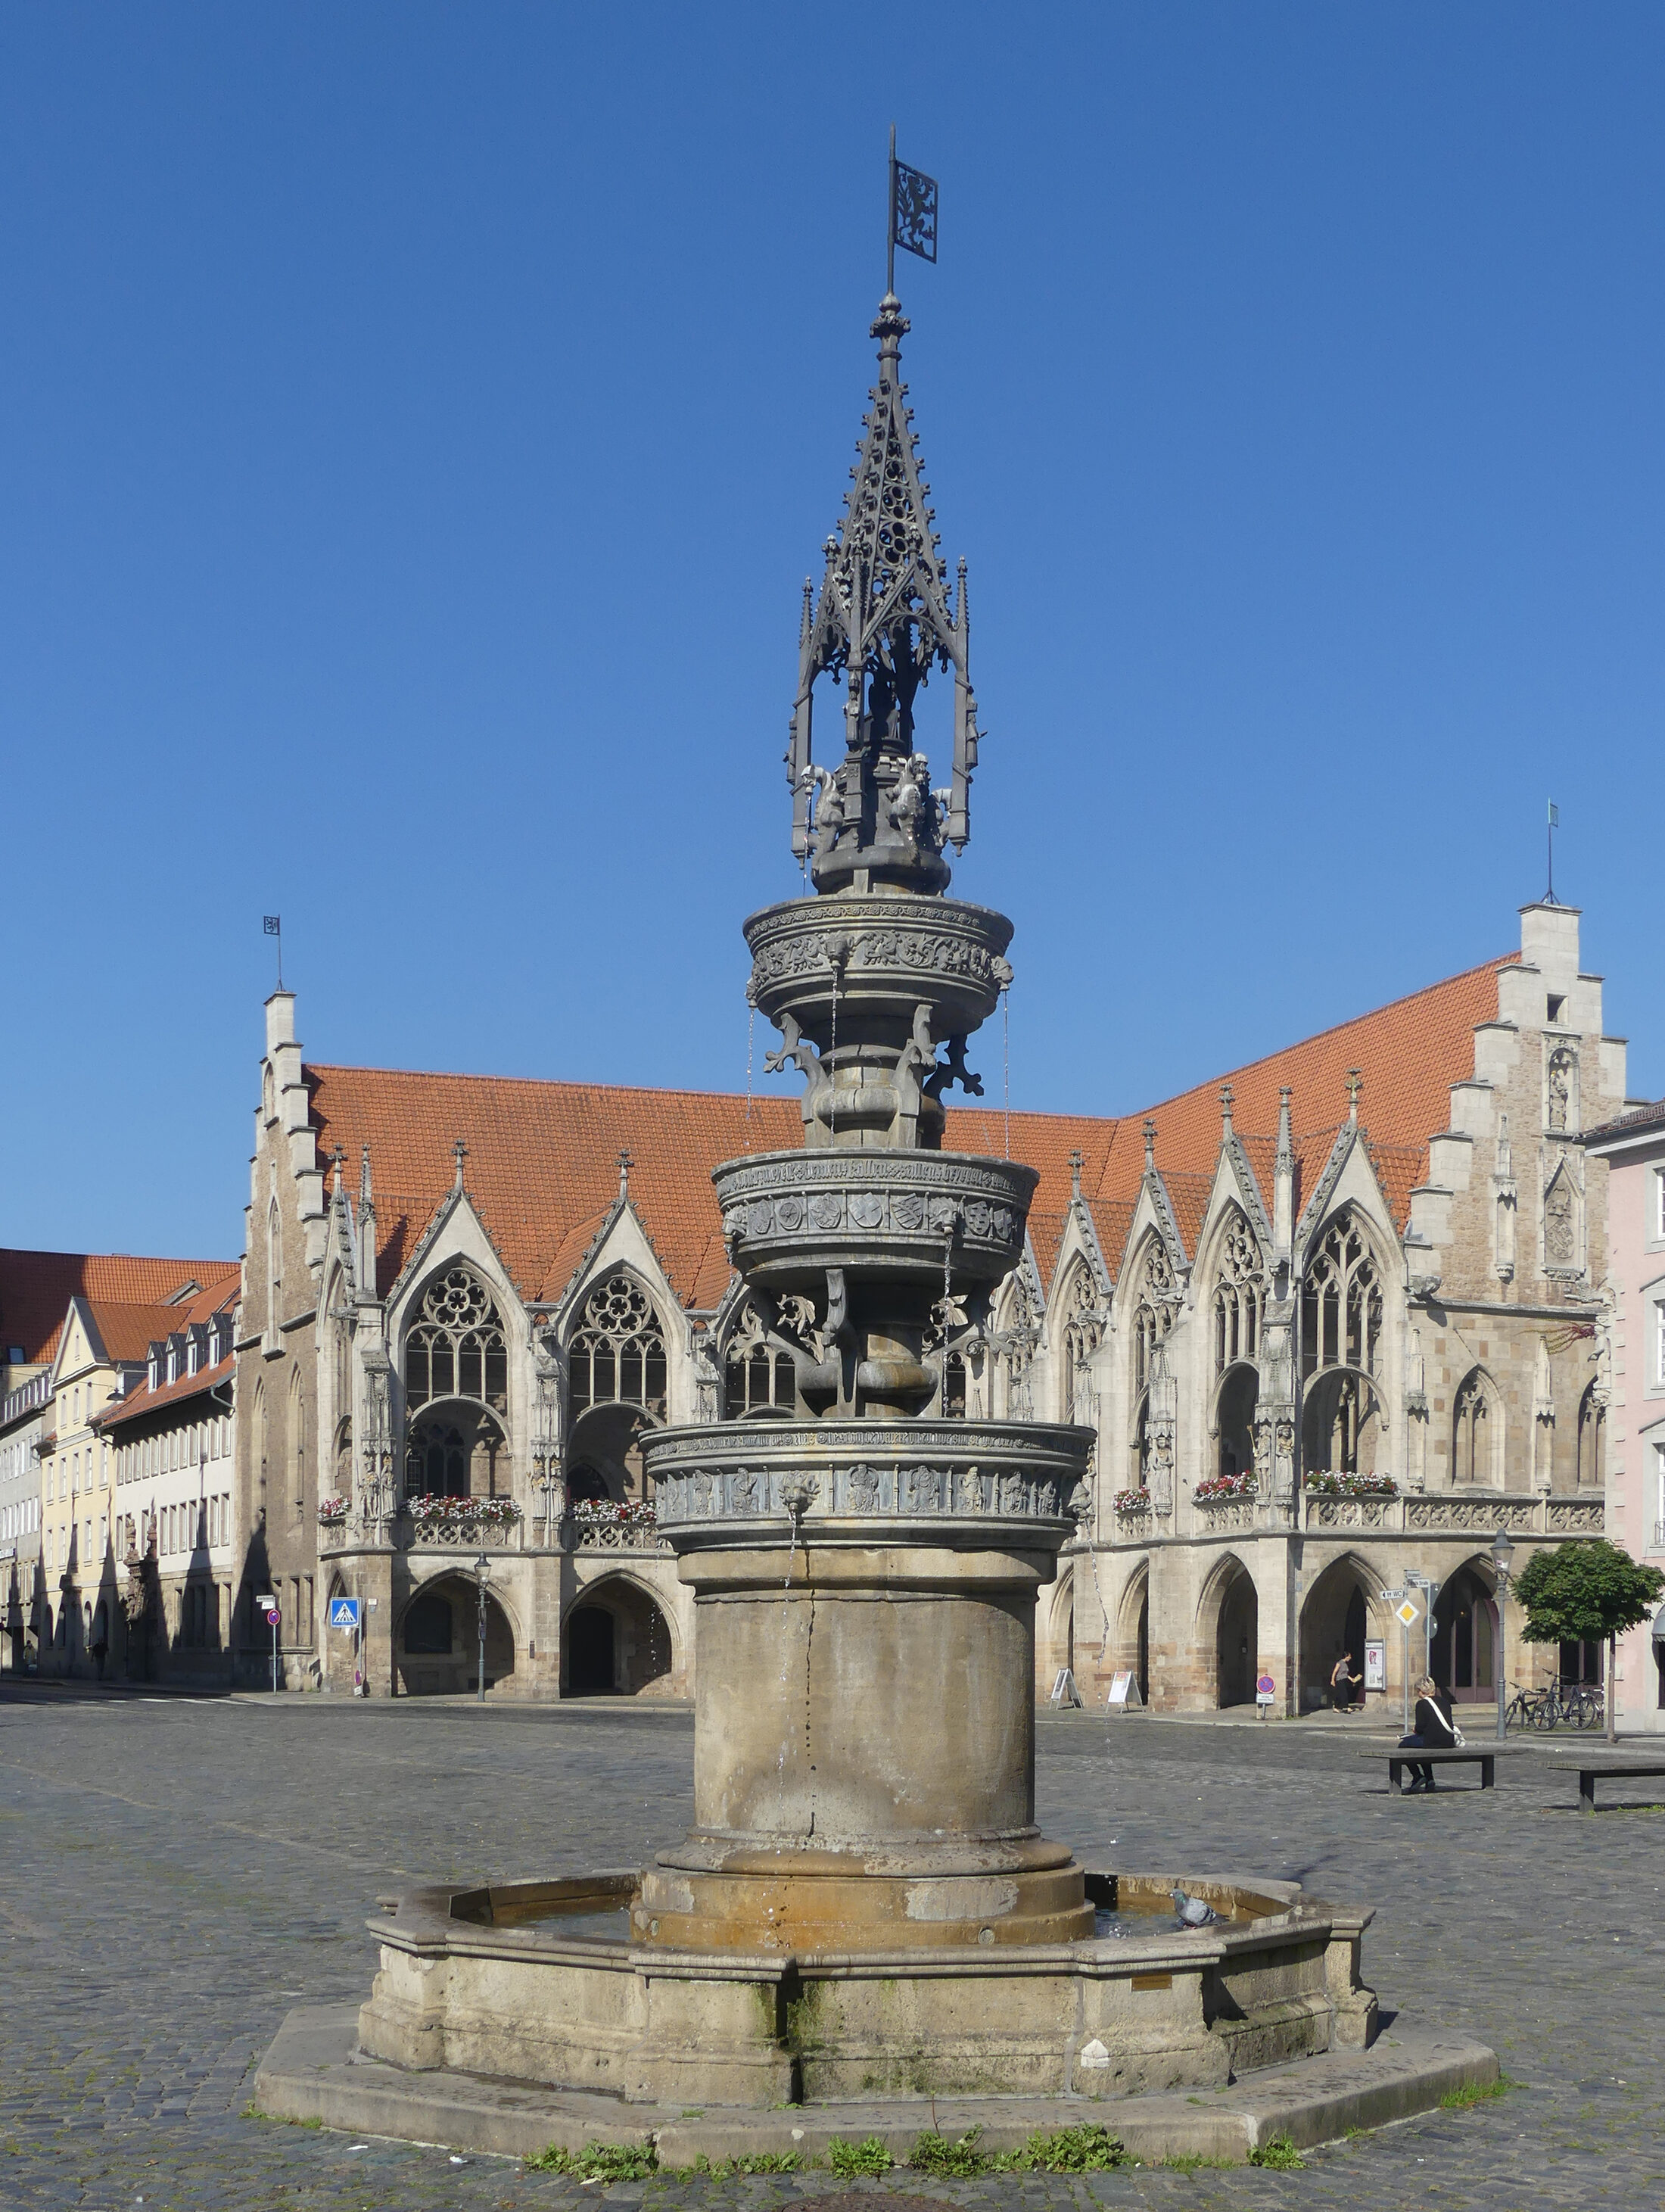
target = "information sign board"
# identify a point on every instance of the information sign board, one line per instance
(1375, 1666)
(1123, 1691)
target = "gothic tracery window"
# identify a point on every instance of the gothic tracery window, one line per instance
(1340, 1303)
(617, 1355)
(1153, 1316)
(1592, 1439)
(758, 1377)
(456, 1348)
(1239, 1296)
(1474, 1431)
(1083, 1330)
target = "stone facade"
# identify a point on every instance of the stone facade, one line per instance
(1321, 1333)
(1633, 1344)
(1321, 1360)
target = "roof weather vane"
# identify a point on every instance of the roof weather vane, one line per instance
(913, 214)
(886, 616)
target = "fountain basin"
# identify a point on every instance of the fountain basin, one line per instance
(467, 1984)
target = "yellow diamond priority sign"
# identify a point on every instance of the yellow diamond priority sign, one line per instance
(1409, 1614)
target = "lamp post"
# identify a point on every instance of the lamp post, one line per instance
(481, 1577)
(1503, 1553)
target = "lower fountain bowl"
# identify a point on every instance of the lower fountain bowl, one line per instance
(485, 1981)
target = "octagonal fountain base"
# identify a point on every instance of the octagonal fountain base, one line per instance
(526, 1981)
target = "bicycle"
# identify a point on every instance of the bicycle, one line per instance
(1523, 1708)
(1586, 1706)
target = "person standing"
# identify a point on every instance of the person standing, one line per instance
(1343, 1683)
(1431, 1732)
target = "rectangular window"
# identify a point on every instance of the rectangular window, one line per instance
(1659, 1497)
(1659, 1202)
(1659, 1340)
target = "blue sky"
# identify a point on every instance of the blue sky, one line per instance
(419, 420)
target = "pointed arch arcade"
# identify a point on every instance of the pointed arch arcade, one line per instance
(1341, 1350)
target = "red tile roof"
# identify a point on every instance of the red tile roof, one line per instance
(142, 1401)
(36, 1288)
(542, 1167)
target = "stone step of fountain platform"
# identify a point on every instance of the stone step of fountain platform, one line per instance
(313, 2072)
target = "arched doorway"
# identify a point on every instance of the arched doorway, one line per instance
(1462, 1656)
(1134, 1631)
(1237, 1638)
(437, 1646)
(1339, 1612)
(615, 1642)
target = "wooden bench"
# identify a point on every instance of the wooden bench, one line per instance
(1398, 1760)
(1613, 1771)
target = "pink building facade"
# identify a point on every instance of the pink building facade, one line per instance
(1633, 1147)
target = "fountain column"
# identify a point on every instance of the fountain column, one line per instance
(866, 1569)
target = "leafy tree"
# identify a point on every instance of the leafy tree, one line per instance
(1585, 1593)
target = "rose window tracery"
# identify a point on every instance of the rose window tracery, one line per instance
(617, 1355)
(456, 1347)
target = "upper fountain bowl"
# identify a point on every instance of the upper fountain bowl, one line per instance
(878, 959)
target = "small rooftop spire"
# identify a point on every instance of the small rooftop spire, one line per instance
(364, 1174)
(1286, 1145)
(1355, 1084)
(883, 619)
(1075, 1175)
(1226, 1095)
(461, 1151)
(626, 1161)
(336, 1158)
(1150, 1144)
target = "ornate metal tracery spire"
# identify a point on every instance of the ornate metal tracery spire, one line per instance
(886, 616)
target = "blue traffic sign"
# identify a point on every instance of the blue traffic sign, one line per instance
(344, 1613)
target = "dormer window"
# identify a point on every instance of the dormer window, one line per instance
(151, 1372)
(214, 1345)
(191, 1356)
(173, 1363)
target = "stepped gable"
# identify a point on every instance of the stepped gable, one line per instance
(542, 1160)
(36, 1288)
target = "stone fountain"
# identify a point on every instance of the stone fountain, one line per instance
(865, 1908)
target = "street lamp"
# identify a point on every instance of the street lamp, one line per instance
(481, 1577)
(1503, 1553)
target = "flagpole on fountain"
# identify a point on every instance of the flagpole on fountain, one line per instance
(891, 226)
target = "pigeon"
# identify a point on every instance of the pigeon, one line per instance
(1192, 1912)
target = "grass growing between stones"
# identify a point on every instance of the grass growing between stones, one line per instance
(1085, 2149)
(597, 2161)
(1475, 2093)
(847, 2160)
(1280, 2154)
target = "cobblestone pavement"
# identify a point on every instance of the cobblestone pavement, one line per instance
(178, 1875)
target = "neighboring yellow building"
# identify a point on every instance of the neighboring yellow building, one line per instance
(82, 1579)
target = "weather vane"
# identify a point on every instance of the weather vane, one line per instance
(913, 214)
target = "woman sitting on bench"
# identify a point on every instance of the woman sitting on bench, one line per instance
(1432, 1732)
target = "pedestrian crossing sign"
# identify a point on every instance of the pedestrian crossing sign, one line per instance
(344, 1613)
(1410, 1615)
